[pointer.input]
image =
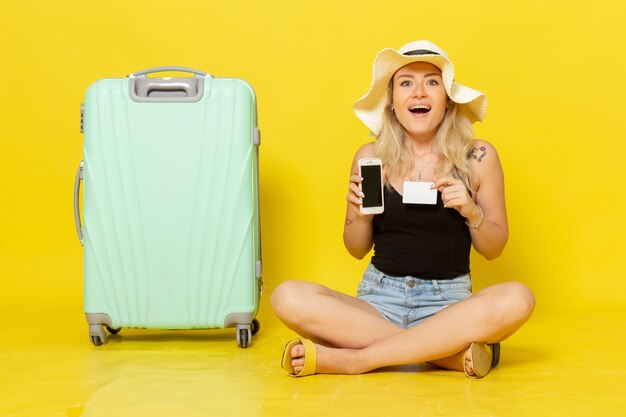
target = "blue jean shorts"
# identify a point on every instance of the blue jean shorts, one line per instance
(406, 301)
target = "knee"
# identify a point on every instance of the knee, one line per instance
(285, 298)
(518, 301)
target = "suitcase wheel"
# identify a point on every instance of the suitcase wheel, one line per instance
(244, 335)
(243, 338)
(97, 335)
(114, 331)
(245, 332)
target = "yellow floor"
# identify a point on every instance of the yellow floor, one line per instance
(569, 365)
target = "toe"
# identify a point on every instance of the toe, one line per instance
(468, 363)
(297, 358)
(297, 362)
(297, 351)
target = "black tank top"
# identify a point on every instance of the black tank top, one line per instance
(420, 240)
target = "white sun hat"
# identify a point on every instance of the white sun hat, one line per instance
(369, 108)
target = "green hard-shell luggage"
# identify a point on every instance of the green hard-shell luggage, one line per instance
(170, 223)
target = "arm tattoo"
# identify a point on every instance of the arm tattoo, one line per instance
(348, 222)
(482, 150)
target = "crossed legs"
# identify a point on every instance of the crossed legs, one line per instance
(352, 337)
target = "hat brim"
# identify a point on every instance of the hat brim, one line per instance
(369, 108)
(472, 102)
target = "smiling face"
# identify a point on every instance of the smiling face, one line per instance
(419, 99)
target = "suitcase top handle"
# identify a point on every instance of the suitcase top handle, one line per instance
(167, 90)
(144, 73)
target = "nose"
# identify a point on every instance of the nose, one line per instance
(419, 91)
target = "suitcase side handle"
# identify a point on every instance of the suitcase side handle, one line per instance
(79, 177)
(144, 73)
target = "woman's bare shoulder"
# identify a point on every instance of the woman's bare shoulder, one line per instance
(483, 151)
(485, 166)
(365, 151)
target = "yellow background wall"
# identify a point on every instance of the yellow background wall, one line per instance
(553, 71)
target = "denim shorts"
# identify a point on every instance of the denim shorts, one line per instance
(406, 301)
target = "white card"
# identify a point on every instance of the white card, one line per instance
(419, 193)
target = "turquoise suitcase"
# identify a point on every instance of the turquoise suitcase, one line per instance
(170, 206)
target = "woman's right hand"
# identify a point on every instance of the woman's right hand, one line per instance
(355, 195)
(358, 229)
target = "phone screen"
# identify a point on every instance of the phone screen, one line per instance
(371, 185)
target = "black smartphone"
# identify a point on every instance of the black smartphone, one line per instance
(371, 170)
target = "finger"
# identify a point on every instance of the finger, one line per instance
(452, 203)
(448, 193)
(356, 179)
(451, 193)
(449, 204)
(444, 182)
(352, 199)
(457, 189)
(356, 190)
(456, 203)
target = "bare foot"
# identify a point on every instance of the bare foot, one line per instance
(457, 362)
(329, 360)
(345, 361)
(468, 363)
(297, 361)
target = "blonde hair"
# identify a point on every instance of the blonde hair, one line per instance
(452, 145)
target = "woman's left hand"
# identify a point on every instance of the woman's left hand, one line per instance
(454, 195)
(488, 184)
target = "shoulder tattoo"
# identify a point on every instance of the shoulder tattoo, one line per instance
(479, 153)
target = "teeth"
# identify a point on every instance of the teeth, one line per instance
(420, 108)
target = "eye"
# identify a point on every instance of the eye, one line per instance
(405, 83)
(432, 82)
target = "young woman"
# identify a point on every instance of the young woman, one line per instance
(414, 303)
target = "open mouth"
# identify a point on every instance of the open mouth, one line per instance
(420, 109)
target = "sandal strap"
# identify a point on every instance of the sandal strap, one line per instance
(310, 357)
